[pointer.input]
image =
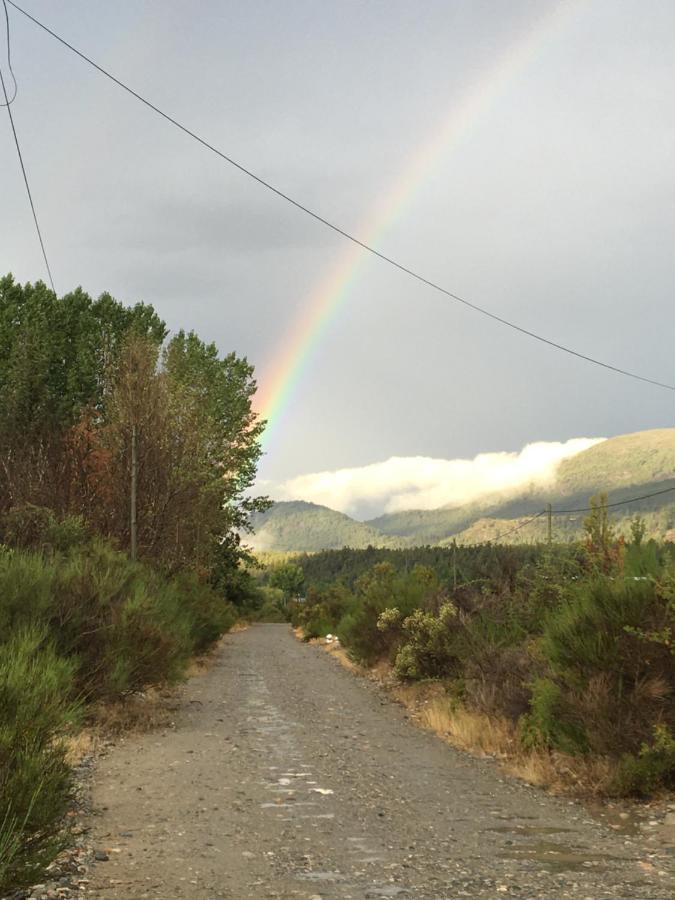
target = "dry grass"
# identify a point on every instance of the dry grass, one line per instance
(84, 743)
(476, 733)
(497, 738)
(339, 652)
(154, 708)
(335, 649)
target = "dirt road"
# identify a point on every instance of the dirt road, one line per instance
(287, 776)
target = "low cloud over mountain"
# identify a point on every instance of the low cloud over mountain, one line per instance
(419, 482)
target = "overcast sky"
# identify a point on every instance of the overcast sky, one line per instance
(556, 208)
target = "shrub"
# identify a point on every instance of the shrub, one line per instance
(430, 645)
(616, 683)
(35, 709)
(67, 534)
(322, 611)
(547, 725)
(26, 527)
(275, 607)
(496, 677)
(210, 614)
(30, 527)
(381, 589)
(652, 768)
(125, 625)
(26, 591)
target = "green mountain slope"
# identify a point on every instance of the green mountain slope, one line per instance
(626, 466)
(297, 525)
(630, 459)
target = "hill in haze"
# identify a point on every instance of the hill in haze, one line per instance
(626, 466)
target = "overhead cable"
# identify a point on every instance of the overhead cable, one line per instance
(566, 512)
(583, 509)
(336, 228)
(25, 181)
(504, 534)
(9, 57)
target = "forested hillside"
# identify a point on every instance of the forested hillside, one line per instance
(298, 525)
(624, 467)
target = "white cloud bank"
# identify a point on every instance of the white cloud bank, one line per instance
(419, 482)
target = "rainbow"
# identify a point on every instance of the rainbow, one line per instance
(280, 379)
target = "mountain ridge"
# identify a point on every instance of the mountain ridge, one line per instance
(625, 466)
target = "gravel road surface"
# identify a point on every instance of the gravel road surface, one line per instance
(287, 776)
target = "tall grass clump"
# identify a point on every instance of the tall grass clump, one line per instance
(36, 710)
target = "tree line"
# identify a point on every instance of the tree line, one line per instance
(79, 378)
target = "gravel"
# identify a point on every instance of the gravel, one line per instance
(287, 776)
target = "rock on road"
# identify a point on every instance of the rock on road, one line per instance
(287, 776)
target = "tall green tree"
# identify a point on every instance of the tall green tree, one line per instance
(55, 357)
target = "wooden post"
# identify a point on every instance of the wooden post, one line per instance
(550, 523)
(134, 489)
(454, 565)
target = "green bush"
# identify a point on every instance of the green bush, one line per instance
(381, 589)
(652, 768)
(124, 624)
(322, 611)
(429, 644)
(210, 614)
(80, 622)
(615, 682)
(548, 723)
(26, 527)
(30, 527)
(275, 606)
(36, 707)
(26, 591)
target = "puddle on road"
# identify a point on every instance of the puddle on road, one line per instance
(627, 820)
(557, 857)
(527, 829)
(389, 890)
(333, 877)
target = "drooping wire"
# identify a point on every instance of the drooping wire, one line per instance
(583, 509)
(336, 228)
(504, 534)
(566, 512)
(25, 180)
(9, 57)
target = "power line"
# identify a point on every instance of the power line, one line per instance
(336, 228)
(9, 57)
(565, 512)
(504, 534)
(25, 180)
(583, 509)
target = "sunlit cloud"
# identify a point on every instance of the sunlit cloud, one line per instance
(419, 482)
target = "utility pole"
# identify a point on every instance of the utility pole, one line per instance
(454, 565)
(134, 489)
(549, 509)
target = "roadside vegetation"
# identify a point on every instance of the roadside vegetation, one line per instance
(83, 623)
(558, 658)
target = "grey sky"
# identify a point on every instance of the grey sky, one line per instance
(556, 209)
